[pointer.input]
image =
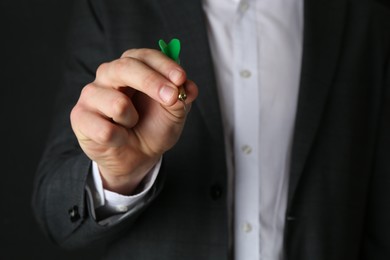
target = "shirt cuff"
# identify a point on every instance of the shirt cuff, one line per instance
(116, 203)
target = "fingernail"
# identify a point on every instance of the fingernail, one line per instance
(166, 94)
(175, 75)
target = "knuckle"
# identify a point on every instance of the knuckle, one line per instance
(144, 52)
(75, 116)
(105, 134)
(120, 106)
(101, 70)
(129, 53)
(121, 66)
(140, 53)
(87, 90)
(74, 113)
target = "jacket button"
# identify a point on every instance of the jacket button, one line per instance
(74, 213)
(291, 218)
(215, 192)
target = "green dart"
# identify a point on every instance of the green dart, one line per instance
(172, 50)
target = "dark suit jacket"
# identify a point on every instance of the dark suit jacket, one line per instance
(339, 190)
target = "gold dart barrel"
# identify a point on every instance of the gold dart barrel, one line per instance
(182, 94)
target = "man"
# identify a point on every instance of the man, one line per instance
(294, 165)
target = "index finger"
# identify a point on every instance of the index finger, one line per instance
(153, 74)
(159, 62)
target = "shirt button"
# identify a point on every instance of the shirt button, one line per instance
(245, 74)
(244, 6)
(122, 208)
(246, 149)
(247, 227)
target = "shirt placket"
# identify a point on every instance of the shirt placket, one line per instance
(246, 127)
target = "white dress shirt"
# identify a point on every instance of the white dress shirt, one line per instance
(256, 47)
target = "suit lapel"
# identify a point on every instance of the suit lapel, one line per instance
(185, 20)
(323, 31)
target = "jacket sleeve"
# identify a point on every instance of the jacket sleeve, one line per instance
(59, 200)
(376, 244)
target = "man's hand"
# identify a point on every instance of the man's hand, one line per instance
(130, 115)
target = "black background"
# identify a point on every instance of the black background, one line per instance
(32, 44)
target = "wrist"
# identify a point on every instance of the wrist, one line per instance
(124, 184)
